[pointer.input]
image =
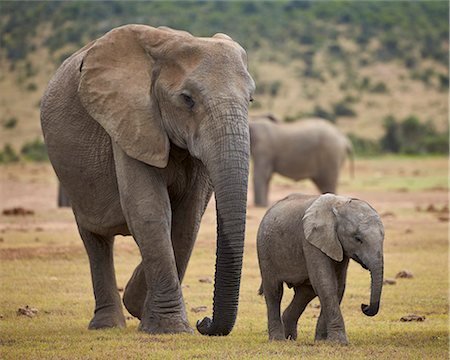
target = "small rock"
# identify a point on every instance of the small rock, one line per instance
(408, 231)
(27, 311)
(388, 214)
(198, 309)
(412, 317)
(315, 306)
(120, 289)
(206, 280)
(389, 282)
(185, 286)
(129, 317)
(1, 316)
(17, 211)
(404, 274)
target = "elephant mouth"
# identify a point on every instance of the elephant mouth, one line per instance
(359, 261)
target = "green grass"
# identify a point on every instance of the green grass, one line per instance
(48, 269)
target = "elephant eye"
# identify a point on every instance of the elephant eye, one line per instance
(358, 238)
(188, 100)
(251, 99)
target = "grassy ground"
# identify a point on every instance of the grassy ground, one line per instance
(43, 265)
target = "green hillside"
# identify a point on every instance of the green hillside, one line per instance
(355, 63)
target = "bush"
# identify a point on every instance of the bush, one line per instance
(322, 113)
(8, 155)
(379, 88)
(364, 146)
(10, 123)
(31, 87)
(343, 109)
(410, 136)
(34, 151)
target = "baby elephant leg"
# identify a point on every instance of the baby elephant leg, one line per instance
(303, 295)
(273, 292)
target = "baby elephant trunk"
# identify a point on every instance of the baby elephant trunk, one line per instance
(375, 294)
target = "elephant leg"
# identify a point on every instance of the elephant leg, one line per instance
(273, 293)
(262, 174)
(108, 309)
(135, 292)
(341, 273)
(146, 206)
(303, 295)
(186, 218)
(324, 280)
(326, 184)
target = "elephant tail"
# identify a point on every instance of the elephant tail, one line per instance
(351, 156)
(260, 291)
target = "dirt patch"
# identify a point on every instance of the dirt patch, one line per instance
(412, 317)
(41, 252)
(404, 274)
(27, 311)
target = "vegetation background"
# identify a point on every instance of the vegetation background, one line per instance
(377, 69)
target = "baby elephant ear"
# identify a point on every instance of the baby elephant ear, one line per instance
(319, 225)
(115, 89)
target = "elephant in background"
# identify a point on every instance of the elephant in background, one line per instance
(63, 199)
(307, 149)
(306, 241)
(141, 125)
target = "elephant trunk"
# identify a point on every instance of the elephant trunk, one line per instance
(227, 161)
(376, 274)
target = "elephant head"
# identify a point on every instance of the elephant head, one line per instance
(153, 87)
(339, 225)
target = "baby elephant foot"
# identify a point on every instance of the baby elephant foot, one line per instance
(165, 326)
(276, 334)
(108, 317)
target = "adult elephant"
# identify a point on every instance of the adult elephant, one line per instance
(141, 125)
(307, 149)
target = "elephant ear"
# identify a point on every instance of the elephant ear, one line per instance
(319, 225)
(115, 89)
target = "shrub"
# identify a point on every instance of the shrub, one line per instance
(34, 151)
(379, 88)
(364, 146)
(322, 113)
(8, 155)
(32, 87)
(343, 109)
(10, 123)
(410, 136)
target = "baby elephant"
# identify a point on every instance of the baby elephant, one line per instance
(306, 242)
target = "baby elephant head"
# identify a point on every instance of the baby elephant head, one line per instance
(341, 226)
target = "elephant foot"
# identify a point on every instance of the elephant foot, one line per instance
(135, 292)
(276, 334)
(108, 317)
(165, 326)
(339, 338)
(290, 332)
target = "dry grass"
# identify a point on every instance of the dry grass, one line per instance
(43, 265)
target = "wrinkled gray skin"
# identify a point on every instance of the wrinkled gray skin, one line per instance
(307, 149)
(306, 242)
(141, 125)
